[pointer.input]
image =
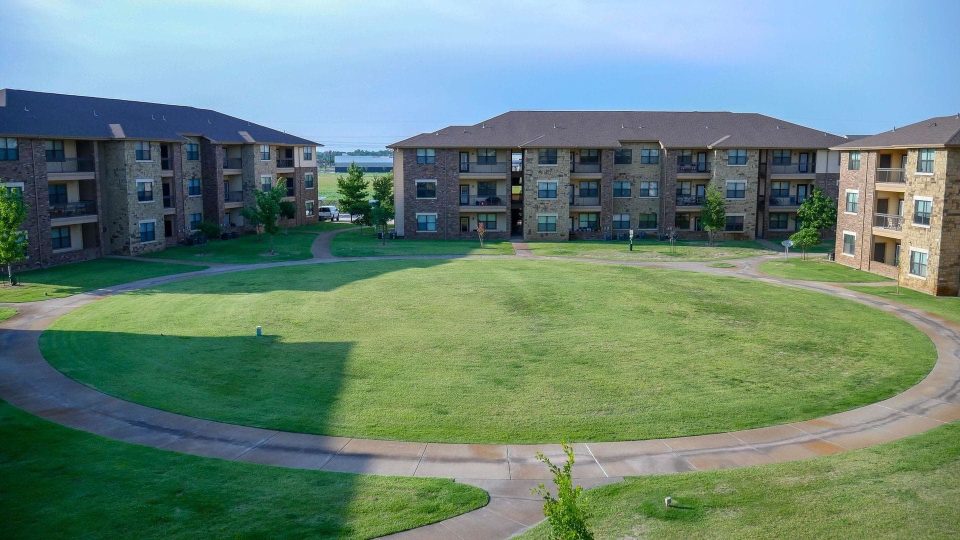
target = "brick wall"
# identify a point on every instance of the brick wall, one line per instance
(211, 182)
(532, 205)
(445, 171)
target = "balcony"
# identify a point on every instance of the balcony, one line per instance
(165, 164)
(71, 165)
(787, 201)
(483, 203)
(585, 168)
(483, 168)
(889, 222)
(232, 163)
(73, 209)
(233, 196)
(578, 200)
(791, 168)
(890, 176)
(693, 168)
(690, 200)
(284, 163)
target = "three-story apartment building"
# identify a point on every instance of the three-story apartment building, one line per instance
(106, 176)
(899, 208)
(551, 175)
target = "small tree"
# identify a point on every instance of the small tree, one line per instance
(817, 212)
(714, 213)
(565, 514)
(268, 210)
(481, 232)
(383, 192)
(354, 197)
(804, 239)
(13, 243)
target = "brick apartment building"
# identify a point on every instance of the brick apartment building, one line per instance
(107, 176)
(544, 175)
(899, 208)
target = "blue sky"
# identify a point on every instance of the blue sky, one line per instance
(364, 73)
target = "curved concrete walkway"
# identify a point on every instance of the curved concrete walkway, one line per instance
(507, 472)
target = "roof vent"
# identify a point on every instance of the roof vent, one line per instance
(152, 117)
(95, 113)
(483, 125)
(622, 126)
(25, 109)
(554, 126)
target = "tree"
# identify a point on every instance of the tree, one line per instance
(804, 239)
(13, 242)
(269, 207)
(354, 198)
(565, 514)
(383, 191)
(714, 213)
(817, 212)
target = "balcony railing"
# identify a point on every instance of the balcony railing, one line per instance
(233, 196)
(483, 167)
(894, 176)
(787, 201)
(577, 200)
(232, 163)
(693, 167)
(585, 167)
(891, 222)
(482, 200)
(792, 168)
(284, 162)
(690, 200)
(72, 209)
(70, 165)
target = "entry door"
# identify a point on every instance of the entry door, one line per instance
(464, 161)
(701, 192)
(896, 255)
(880, 252)
(701, 162)
(804, 162)
(883, 206)
(464, 223)
(464, 195)
(168, 227)
(803, 190)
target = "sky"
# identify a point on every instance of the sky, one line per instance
(363, 74)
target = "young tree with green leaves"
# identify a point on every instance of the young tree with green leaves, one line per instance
(268, 209)
(817, 212)
(565, 513)
(354, 197)
(13, 243)
(713, 217)
(383, 191)
(804, 239)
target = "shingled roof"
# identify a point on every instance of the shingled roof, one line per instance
(609, 129)
(932, 132)
(39, 114)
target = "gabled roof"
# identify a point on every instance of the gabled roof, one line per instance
(39, 114)
(932, 132)
(609, 129)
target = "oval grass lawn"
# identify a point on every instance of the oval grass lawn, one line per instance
(488, 351)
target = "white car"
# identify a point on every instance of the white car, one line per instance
(328, 212)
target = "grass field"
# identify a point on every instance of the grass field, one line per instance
(817, 270)
(327, 187)
(906, 489)
(947, 307)
(59, 483)
(365, 244)
(649, 250)
(488, 351)
(6, 313)
(70, 279)
(289, 245)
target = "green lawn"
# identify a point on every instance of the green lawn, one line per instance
(59, 483)
(649, 250)
(324, 226)
(365, 244)
(6, 313)
(327, 186)
(817, 270)
(69, 279)
(947, 307)
(289, 245)
(489, 350)
(906, 489)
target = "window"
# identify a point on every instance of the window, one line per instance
(148, 231)
(849, 243)
(682, 221)
(621, 188)
(8, 149)
(547, 156)
(486, 189)
(650, 189)
(621, 222)
(589, 189)
(142, 151)
(426, 223)
(853, 161)
(684, 189)
(780, 189)
(647, 221)
(193, 151)
(853, 201)
(264, 152)
(53, 150)
(685, 157)
(426, 189)
(309, 181)
(60, 237)
(426, 156)
(193, 187)
(547, 189)
(307, 153)
(736, 189)
(918, 263)
(486, 156)
(266, 182)
(734, 224)
(57, 193)
(308, 208)
(590, 156)
(623, 156)
(925, 160)
(736, 157)
(546, 223)
(144, 190)
(195, 220)
(922, 210)
(588, 222)
(489, 221)
(15, 188)
(781, 157)
(779, 221)
(650, 156)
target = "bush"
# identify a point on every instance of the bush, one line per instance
(566, 516)
(209, 229)
(804, 239)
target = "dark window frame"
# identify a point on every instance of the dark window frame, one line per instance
(148, 234)
(194, 183)
(622, 189)
(57, 194)
(547, 156)
(853, 161)
(650, 156)
(736, 193)
(60, 241)
(782, 157)
(922, 217)
(652, 190)
(426, 222)
(485, 220)
(623, 156)
(426, 156)
(592, 190)
(545, 193)
(425, 194)
(925, 160)
(143, 151)
(144, 192)
(618, 223)
(545, 225)
(486, 156)
(734, 223)
(9, 149)
(737, 157)
(192, 150)
(644, 221)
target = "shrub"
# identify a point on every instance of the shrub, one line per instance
(564, 513)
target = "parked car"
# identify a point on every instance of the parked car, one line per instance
(328, 212)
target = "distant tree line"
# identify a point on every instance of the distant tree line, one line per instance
(327, 156)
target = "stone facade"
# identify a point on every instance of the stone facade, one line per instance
(534, 206)
(123, 211)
